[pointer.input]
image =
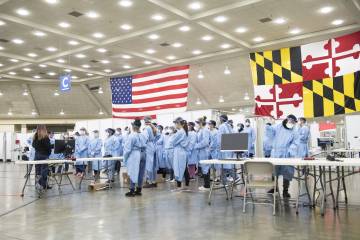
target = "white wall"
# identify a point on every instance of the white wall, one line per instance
(352, 131)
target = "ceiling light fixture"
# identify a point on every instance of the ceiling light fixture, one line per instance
(85, 66)
(17, 41)
(60, 60)
(42, 65)
(62, 112)
(64, 24)
(280, 20)
(207, 38)
(12, 73)
(2, 23)
(220, 19)
(10, 112)
(104, 61)
(101, 112)
(1, 48)
(52, 1)
(98, 35)
(27, 69)
(1, 93)
(74, 77)
(13, 60)
(36, 76)
(241, 30)
(337, 22)
(126, 67)
(51, 49)
(258, 39)
(171, 57)
(100, 91)
(153, 36)
(23, 12)
(196, 52)
(107, 70)
(150, 51)
(157, 17)
(56, 93)
(80, 55)
(221, 99)
(25, 93)
(125, 3)
(67, 70)
(101, 50)
(32, 54)
(39, 33)
(227, 71)
(295, 31)
(33, 112)
(177, 45)
(246, 97)
(200, 75)
(124, 56)
(147, 62)
(198, 101)
(73, 42)
(126, 27)
(184, 28)
(92, 14)
(326, 10)
(195, 6)
(90, 74)
(51, 73)
(225, 46)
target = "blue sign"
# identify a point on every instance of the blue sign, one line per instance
(65, 82)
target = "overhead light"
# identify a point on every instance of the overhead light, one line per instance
(92, 14)
(36, 76)
(126, 27)
(1, 94)
(33, 112)
(13, 60)
(52, 1)
(64, 24)
(98, 35)
(73, 42)
(241, 30)
(195, 5)
(101, 50)
(220, 19)
(295, 31)
(153, 36)
(51, 49)
(26, 69)
(80, 55)
(157, 17)
(1, 64)
(56, 93)
(101, 112)
(23, 12)
(196, 52)
(62, 112)
(2, 23)
(200, 75)
(100, 91)
(150, 51)
(227, 71)
(184, 28)
(124, 56)
(10, 112)
(1, 48)
(125, 3)
(51, 73)
(326, 10)
(221, 99)
(198, 101)
(17, 41)
(104, 61)
(12, 73)
(171, 57)
(90, 74)
(60, 60)
(39, 33)
(280, 20)
(85, 66)
(240, 110)
(207, 38)
(225, 46)
(32, 54)
(42, 65)
(337, 22)
(177, 44)
(107, 70)
(126, 66)
(67, 70)
(25, 93)
(258, 39)
(147, 62)
(74, 77)
(246, 97)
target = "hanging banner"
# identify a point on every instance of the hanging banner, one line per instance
(65, 82)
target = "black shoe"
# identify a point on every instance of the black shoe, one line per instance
(286, 194)
(48, 187)
(138, 192)
(154, 185)
(131, 193)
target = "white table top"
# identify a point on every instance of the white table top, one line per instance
(346, 162)
(62, 161)
(343, 150)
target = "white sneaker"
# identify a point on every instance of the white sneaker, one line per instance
(168, 180)
(172, 181)
(229, 179)
(204, 189)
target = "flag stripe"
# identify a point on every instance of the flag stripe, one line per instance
(162, 97)
(159, 85)
(161, 75)
(160, 80)
(158, 72)
(159, 94)
(151, 104)
(185, 85)
(141, 114)
(133, 117)
(152, 108)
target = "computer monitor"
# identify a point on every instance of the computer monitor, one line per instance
(235, 142)
(64, 146)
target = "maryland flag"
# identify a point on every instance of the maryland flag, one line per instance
(313, 80)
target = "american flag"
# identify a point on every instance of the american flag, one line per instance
(151, 93)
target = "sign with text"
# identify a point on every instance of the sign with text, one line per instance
(65, 82)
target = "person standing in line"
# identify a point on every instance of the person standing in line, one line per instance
(41, 144)
(81, 151)
(110, 151)
(180, 143)
(119, 149)
(149, 133)
(159, 147)
(169, 152)
(192, 152)
(135, 159)
(95, 146)
(251, 138)
(303, 136)
(268, 140)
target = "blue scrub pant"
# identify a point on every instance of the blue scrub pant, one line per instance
(41, 170)
(151, 176)
(141, 172)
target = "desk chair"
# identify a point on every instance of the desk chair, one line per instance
(259, 175)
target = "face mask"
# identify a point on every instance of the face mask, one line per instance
(96, 135)
(108, 134)
(82, 133)
(289, 125)
(118, 133)
(247, 124)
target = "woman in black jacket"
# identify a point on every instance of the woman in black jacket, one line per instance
(41, 144)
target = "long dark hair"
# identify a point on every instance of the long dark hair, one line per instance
(185, 126)
(41, 132)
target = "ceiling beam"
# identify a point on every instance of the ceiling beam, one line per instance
(65, 53)
(31, 98)
(74, 68)
(15, 67)
(170, 8)
(353, 6)
(95, 100)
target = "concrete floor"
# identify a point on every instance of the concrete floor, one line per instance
(158, 214)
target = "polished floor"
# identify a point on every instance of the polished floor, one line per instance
(158, 214)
